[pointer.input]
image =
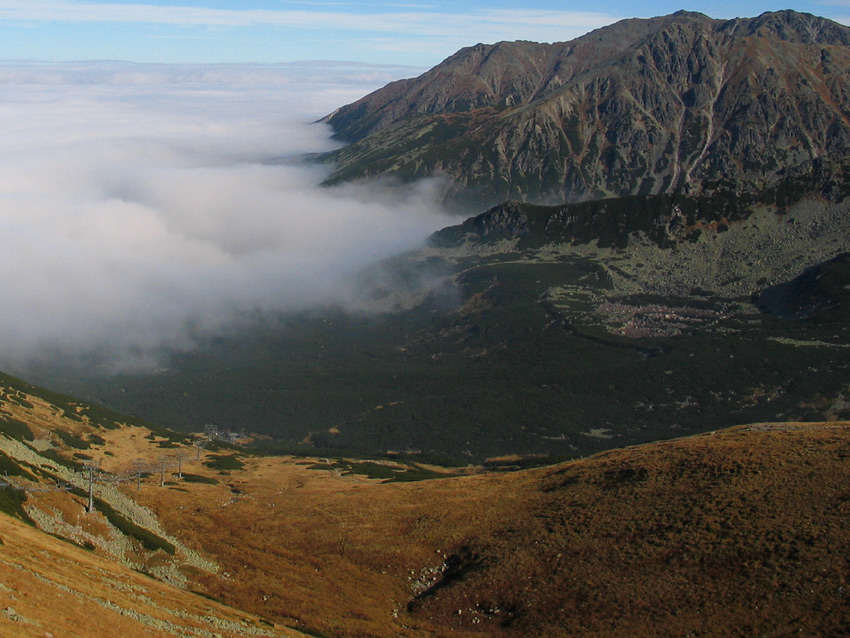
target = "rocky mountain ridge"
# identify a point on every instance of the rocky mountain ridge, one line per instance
(663, 219)
(681, 103)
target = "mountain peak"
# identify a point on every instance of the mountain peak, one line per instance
(678, 103)
(790, 26)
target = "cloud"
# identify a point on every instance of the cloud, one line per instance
(145, 206)
(168, 32)
(411, 20)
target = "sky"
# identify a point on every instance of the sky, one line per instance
(408, 32)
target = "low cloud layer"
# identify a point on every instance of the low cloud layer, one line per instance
(145, 207)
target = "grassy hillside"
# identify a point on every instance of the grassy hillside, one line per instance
(734, 532)
(66, 571)
(49, 587)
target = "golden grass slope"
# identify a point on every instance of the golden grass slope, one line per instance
(741, 532)
(49, 587)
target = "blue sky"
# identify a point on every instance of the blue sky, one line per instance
(409, 32)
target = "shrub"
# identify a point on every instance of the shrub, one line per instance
(54, 455)
(16, 429)
(11, 468)
(195, 478)
(12, 503)
(224, 463)
(127, 527)
(72, 440)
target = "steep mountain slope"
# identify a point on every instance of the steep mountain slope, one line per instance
(679, 103)
(821, 292)
(51, 588)
(736, 533)
(114, 570)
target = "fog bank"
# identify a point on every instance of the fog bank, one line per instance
(146, 206)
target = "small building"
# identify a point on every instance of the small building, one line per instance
(211, 431)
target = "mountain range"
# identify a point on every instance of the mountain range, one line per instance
(677, 104)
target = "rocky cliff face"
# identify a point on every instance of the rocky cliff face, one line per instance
(682, 103)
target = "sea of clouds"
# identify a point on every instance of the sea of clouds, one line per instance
(146, 207)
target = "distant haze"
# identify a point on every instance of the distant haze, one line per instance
(144, 207)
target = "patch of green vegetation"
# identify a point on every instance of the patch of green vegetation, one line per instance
(175, 438)
(20, 400)
(72, 440)
(207, 596)
(308, 631)
(77, 491)
(386, 472)
(516, 378)
(127, 527)
(96, 439)
(54, 455)
(15, 429)
(277, 447)
(72, 415)
(222, 462)
(440, 460)
(9, 467)
(524, 463)
(322, 466)
(218, 445)
(12, 503)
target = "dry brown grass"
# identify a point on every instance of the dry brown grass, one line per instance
(49, 587)
(738, 533)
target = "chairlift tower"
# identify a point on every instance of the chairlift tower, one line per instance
(199, 444)
(139, 465)
(89, 469)
(180, 456)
